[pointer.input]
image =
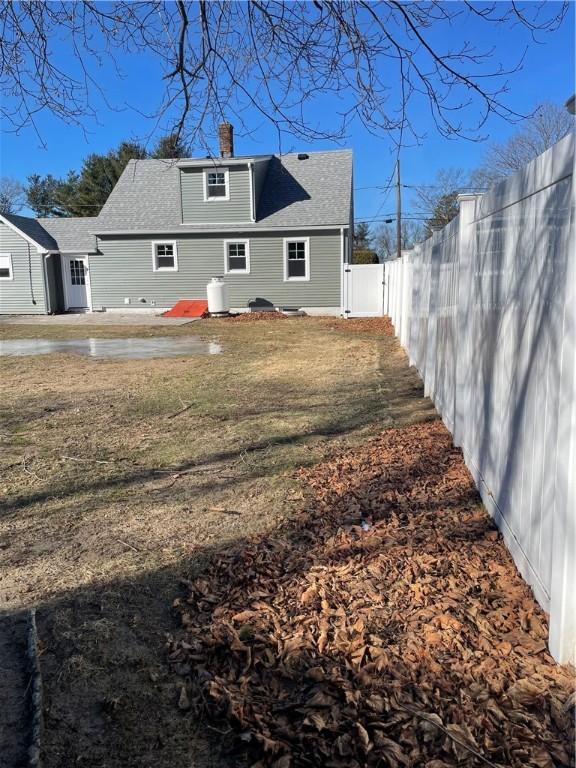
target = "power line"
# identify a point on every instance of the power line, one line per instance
(391, 219)
(424, 186)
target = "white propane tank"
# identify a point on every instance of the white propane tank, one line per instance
(217, 296)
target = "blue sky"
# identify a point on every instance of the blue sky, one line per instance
(547, 74)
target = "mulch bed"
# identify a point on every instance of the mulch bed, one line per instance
(379, 325)
(386, 625)
(249, 317)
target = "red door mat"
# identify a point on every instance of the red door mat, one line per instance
(188, 308)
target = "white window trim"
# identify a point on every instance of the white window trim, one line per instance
(306, 241)
(246, 244)
(173, 243)
(10, 266)
(216, 169)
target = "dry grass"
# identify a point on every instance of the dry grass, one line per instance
(110, 494)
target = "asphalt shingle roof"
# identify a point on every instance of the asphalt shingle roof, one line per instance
(72, 234)
(311, 192)
(296, 193)
(146, 196)
(33, 229)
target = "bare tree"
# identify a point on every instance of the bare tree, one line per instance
(546, 127)
(378, 62)
(12, 195)
(438, 202)
(412, 232)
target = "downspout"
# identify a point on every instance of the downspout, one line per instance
(252, 201)
(30, 279)
(342, 273)
(89, 292)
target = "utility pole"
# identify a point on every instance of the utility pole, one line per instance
(398, 210)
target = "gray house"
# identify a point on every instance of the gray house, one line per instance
(276, 227)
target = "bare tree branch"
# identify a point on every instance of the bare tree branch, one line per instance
(373, 62)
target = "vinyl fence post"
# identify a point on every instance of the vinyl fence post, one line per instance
(431, 342)
(562, 637)
(464, 316)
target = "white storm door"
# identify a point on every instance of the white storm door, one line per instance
(75, 276)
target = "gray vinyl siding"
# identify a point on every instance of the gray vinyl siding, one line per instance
(123, 269)
(260, 170)
(17, 296)
(195, 210)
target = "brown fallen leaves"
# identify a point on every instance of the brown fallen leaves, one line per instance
(379, 325)
(412, 643)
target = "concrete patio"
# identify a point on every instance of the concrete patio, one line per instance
(96, 318)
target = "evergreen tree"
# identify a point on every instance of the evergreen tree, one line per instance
(42, 195)
(98, 178)
(171, 147)
(446, 209)
(361, 235)
(85, 193)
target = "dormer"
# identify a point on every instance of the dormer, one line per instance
(222, 190)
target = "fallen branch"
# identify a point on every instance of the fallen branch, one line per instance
(424, 716)
(87, 461)
(182, 410)
(178, 472)
(178, 475)
(128, 545)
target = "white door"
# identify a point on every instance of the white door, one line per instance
(364, 290)
(75, 270)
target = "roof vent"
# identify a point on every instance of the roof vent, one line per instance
(303, 156)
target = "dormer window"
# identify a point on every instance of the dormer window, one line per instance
(216, 184)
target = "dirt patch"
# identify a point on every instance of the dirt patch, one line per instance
(386, 624)
(120, 477)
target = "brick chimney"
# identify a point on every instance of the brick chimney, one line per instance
(226, 136)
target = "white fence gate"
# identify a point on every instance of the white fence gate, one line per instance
(363, 290)
(486, 309)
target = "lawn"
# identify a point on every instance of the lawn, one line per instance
(121, 478)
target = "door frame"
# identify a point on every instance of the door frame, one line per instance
(65, 279)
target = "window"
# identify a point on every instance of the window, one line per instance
(164, 257)
(297, 259)
(6, 267)
(237, 256)
(216, 184)
(77, 272)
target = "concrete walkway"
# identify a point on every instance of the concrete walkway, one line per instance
(97, 318)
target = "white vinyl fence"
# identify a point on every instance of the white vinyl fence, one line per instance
(486, 310)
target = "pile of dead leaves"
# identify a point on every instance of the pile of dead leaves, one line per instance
(385, 626)
(382, 326)
(248, 317)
